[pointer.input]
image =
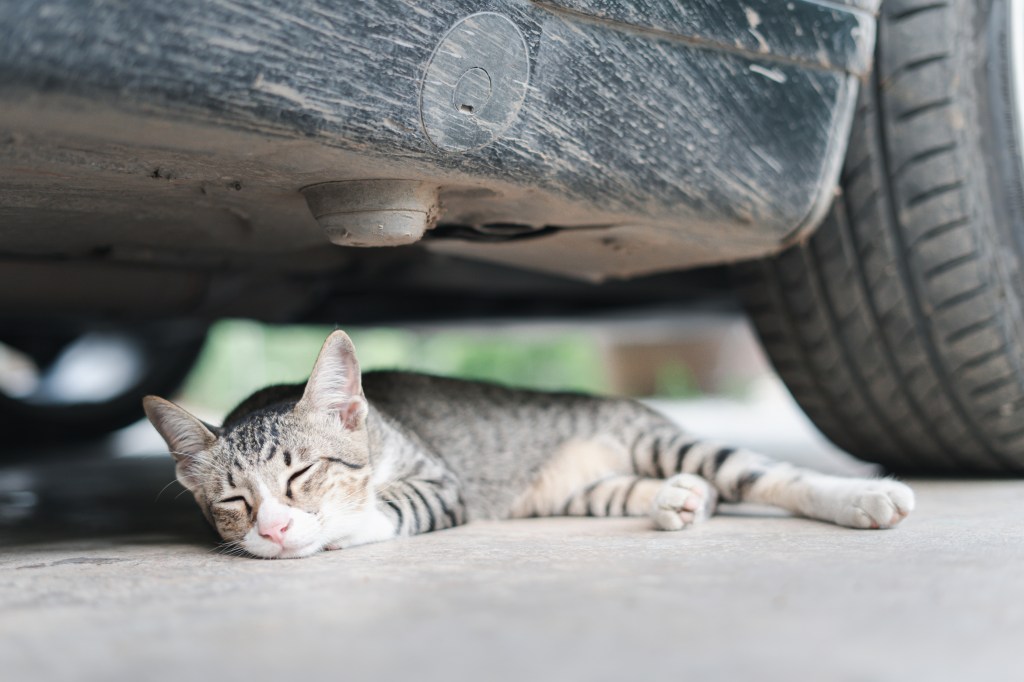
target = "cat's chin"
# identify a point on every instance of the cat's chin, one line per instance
(308, 550)
(286, 552)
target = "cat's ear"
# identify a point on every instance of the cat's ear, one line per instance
(185, 435)
(335, 386)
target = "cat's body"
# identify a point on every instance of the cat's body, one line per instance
(346, 460)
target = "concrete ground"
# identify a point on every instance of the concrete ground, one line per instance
(101, 579)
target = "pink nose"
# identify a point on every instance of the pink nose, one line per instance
(275, 530)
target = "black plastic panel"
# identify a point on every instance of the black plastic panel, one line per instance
(698, 132)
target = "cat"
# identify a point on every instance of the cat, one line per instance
(347, 459)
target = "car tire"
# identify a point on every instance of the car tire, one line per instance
(167, 352)
(899, 326)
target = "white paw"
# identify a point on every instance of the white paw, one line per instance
(685, 499)
(875, 504)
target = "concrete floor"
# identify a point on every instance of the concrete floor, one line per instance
(99, 580)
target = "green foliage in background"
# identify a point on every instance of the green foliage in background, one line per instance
(241, 357)
(676, 380)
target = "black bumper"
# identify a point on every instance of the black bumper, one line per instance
(652, 135)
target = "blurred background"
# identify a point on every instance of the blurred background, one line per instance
(712, 355)
(706, 370)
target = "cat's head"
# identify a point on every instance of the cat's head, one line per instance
(286, 480)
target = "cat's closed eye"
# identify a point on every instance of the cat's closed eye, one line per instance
(298, 474)
(345, 463)
(234, 501)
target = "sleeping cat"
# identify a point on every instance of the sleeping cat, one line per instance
(348, 459)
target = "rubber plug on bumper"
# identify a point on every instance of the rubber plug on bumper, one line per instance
(374, 212)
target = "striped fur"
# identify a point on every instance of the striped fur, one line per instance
(348, 459)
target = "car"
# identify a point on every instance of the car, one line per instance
(850, 172)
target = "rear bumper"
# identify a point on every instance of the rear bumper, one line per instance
(655, 136)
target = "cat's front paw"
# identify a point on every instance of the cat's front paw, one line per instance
(876, 504)
(683, 500)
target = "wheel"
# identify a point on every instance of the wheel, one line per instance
(899, 326)
(62, 385)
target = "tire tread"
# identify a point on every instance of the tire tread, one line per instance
(897, 341)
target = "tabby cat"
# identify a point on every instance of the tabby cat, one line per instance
(348, 459)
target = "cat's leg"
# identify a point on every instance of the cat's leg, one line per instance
(851, 502)
(740, 475)
(596, 477)
(673, 504)
(408, 506)
(422, 505)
